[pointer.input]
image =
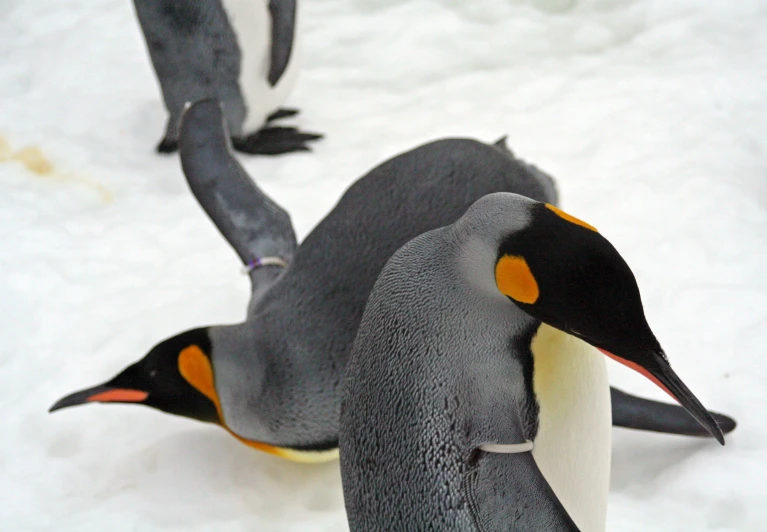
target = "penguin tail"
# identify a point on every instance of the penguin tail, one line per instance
(501, 145)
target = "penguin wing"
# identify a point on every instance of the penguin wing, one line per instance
(283, 14)
(634, 412)
(526, 501)
(254, 225)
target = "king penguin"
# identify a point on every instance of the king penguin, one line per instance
(476, 396)
(273, 381)
(243, 52)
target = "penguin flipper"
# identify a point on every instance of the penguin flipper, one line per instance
(634, 412)
(254, 225)
(525, 492)
(283, 14)
(274, 141)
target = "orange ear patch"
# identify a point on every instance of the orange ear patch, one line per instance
(514, 279)
(570, 218)
(194, 366)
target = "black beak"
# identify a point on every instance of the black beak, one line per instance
(655, 367)
(679, 391)
(100, 394)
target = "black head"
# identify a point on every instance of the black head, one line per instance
(175, 377)
(562, 271)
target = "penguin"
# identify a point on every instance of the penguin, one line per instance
(274, 380)
(243, 52)
(476, 395)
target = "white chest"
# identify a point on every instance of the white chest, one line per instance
(252, 25)
(573, 445)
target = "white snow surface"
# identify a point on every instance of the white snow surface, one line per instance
(650, 113)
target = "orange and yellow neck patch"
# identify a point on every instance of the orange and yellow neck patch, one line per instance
(514, 279)
(570, 218)
(195, 367)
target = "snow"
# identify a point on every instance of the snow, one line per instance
(650, 114)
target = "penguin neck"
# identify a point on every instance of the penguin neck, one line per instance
(261, 280)
(573, 442)
(235, 347)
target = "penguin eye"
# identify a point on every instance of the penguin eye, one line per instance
(152, 373)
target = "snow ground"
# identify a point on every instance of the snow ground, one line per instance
(650, 113)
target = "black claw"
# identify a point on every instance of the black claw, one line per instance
(281, 113)
(274, 141)
(167, 146)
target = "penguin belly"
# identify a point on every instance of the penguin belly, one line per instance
(252, 25)
(573, 445)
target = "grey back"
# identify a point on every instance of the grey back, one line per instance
(195, 55)
(305, 324)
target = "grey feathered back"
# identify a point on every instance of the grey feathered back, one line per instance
(305, 324)
(195, 54)
(251, 222)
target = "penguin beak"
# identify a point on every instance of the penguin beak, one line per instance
(658, 370)
(100, 394)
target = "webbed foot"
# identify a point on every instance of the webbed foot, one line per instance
(274, 141)
(281, 113)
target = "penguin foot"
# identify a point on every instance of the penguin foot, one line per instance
(274, 141)
(167, 145)
(281, 113)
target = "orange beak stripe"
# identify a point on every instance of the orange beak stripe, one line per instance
(640, 369)
(119, 395)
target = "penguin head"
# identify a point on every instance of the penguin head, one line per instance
(561, 271)
(176, 377)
